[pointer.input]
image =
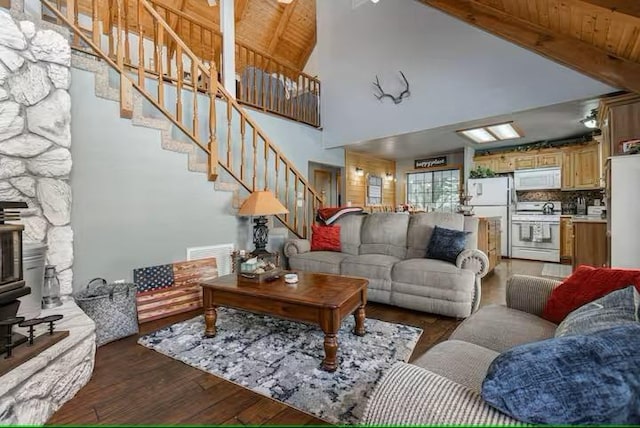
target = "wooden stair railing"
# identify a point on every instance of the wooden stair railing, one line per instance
(246, 152)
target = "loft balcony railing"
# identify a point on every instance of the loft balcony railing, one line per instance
(262, 81)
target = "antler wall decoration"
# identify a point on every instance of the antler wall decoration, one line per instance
(399, 98)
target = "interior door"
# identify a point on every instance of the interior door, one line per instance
(322, 183)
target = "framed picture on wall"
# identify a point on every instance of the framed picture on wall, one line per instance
(374, 190)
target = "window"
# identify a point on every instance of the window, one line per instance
(434, 190)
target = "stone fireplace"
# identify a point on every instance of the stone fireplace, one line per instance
(35, 135)
(35, 167)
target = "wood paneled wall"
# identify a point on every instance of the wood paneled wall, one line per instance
(356, 184)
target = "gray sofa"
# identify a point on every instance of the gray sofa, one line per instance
(389, 250)
(443, 386)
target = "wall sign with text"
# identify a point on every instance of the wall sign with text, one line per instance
(430, 162)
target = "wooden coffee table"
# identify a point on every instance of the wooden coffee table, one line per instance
(317, 298)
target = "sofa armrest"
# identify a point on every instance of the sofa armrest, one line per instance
(296, 246)
(475, 261)
(529, 293)
(410, 395)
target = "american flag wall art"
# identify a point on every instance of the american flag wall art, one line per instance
(171, 289)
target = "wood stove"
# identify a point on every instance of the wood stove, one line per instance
(12, 285)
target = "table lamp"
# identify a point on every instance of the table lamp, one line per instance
(260, 204)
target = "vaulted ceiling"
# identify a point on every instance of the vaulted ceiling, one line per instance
(286, 32)
(600, 38)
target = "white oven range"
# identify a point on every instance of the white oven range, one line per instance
(536, 235)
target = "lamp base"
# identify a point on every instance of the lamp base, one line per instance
(260, 235)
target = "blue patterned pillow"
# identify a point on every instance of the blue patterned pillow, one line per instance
(580, 379)
(616, 308)
(445, 244)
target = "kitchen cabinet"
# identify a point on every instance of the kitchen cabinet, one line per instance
(619, 120)
(503, 164)
(590, 244)
(526, 161)
(566, 240)
(546, 160)
(580, 164)
(581, 168)
(486, 162)
(490, 240)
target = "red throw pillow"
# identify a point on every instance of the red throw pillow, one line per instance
(325, 238)
(585, 285)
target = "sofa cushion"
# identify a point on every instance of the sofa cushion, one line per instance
(318, 261)
(583, 379)
(433, 273)
(462, 362)
(616, 308)
(350, 232)
(375, 266)
(446, 244)
(500, 328)
(585, 285)
(421, 227)
(385, 233)
(325, 238)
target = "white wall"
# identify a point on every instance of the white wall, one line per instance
(457, 72)
(137, 205)
(312, 67)
(134, 203)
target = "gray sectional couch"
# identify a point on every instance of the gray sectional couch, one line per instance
(389, 249)
(442, 387)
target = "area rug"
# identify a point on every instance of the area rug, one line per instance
(556, 270)
(281, 359)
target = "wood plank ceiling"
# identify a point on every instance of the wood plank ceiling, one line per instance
(600, 38)
(285, 31)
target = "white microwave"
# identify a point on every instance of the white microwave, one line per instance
(537, 179)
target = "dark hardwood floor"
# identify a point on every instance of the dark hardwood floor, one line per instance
(135, 385)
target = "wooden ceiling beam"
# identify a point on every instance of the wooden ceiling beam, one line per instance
(574, 53)
(626, 7)
(282, 26)
(240, 9)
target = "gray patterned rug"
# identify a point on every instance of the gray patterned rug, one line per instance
(281, 359)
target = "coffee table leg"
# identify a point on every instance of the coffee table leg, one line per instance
(359, 316)
(210, 317)
(330, 362)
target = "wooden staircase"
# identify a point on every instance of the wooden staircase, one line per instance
(152, 59)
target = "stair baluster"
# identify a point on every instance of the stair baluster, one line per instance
(204, 83)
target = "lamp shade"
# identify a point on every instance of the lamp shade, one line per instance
(262, 202)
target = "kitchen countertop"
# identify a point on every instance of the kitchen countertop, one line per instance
(578, 219)
(584, 219)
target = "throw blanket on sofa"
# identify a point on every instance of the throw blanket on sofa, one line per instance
(330, 215)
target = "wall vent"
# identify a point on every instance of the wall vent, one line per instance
(222, 253)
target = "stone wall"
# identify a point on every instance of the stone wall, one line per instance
(35, 135)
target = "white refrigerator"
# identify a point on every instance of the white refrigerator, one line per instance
(494, 197)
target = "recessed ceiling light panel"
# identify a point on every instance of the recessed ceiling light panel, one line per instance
(479, 135)
(504, 131)
(491, 133)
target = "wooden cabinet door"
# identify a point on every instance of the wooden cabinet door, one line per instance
(504, 164)
(566, 238)
(525, 162)
(567, 171)
(545, 160)
(590, 244)
(488, 162)
(586, 165)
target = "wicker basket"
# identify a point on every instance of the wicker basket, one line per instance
(112, 307)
